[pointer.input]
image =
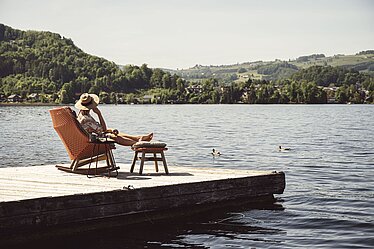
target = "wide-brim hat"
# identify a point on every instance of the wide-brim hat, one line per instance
(87, 101)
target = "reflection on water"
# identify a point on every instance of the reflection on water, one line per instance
(328, 201)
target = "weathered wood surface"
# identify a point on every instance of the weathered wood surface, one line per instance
(19, 183)
(43, 197)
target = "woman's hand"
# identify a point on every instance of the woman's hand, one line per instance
(113, 131)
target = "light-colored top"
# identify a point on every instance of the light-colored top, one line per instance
(89, 123)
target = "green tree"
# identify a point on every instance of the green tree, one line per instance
(64, 97)
(69, 94)
(156, 78)
(341, 95)
(166, 81)
(104, 97)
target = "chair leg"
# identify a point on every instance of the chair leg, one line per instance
(156, 164)
(108, 157)
(164, 162)
(97, 158)
(142, 163)
(92, 155)
(73, 164)
(134, 161)
(111, 163)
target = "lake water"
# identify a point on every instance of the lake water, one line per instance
(328, 201)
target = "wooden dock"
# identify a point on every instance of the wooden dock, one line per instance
(41, 199)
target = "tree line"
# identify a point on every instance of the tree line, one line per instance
(52, 66)
(45, 62)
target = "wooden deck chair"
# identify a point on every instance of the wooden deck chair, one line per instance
(81, 151)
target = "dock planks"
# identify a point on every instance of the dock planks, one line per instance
(42, 197)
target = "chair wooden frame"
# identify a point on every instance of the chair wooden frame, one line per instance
(81, 151)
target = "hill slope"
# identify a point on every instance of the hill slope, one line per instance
(274, 70)
(45, 62)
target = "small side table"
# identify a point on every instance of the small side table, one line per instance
(149, 150)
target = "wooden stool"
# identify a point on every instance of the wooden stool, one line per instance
(154, 158)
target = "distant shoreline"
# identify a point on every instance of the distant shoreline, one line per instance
(71, 104)
(31, 104)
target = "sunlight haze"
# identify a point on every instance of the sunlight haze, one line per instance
(180, 34)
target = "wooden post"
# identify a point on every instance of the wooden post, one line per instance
(156, 164)
(142, 163)
(134, 161)
(164, 162)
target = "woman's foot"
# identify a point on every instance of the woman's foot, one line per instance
(147, 137)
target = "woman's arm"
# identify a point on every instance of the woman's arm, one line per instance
(101, 119)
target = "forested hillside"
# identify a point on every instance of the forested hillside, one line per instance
(46, 67)
(45, 62)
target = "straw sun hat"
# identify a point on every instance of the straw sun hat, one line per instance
(87, 101)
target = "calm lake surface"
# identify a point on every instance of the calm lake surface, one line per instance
(328, 201)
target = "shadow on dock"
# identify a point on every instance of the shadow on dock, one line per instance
(147, 176)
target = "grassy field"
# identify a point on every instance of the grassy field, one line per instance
(336, 61)
(278, 69)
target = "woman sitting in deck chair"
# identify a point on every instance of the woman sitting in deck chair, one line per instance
(89, 102)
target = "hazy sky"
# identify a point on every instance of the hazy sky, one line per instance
(182, 33)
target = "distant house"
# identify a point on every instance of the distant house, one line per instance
(224, 89)
(147, 98)
(14, 98)
(368, 98)
(34, 97)
(330, 92)
(194, 89)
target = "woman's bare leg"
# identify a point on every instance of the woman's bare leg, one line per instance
(124, 141)
(137, 138)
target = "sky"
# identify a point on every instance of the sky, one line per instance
(179, 34)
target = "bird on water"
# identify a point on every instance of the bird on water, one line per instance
(215, 153)
(281, 149)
